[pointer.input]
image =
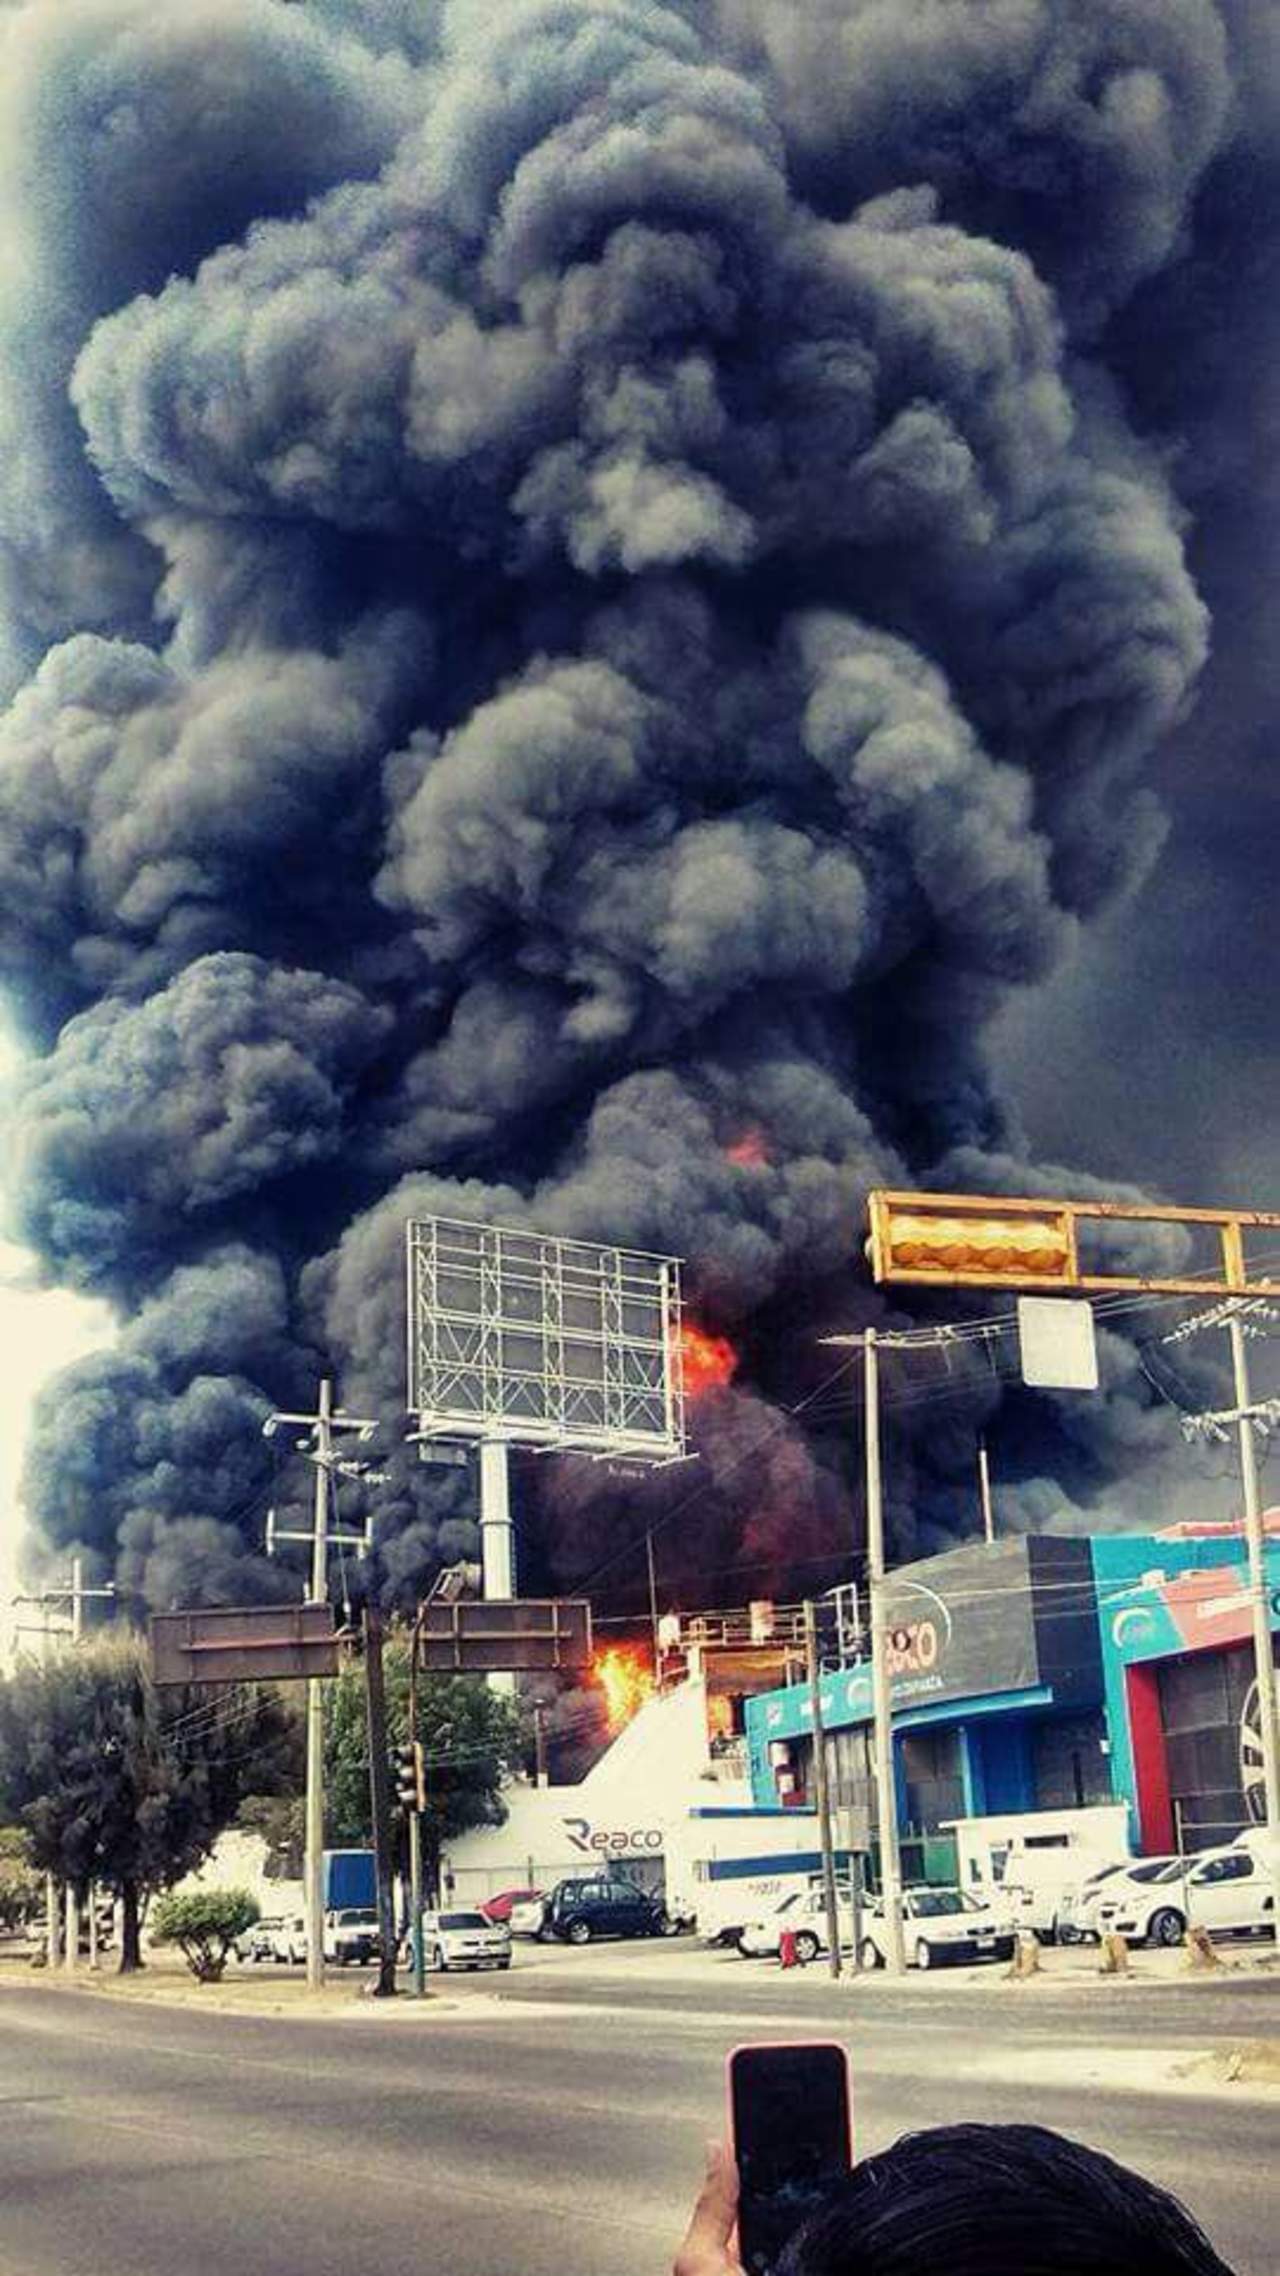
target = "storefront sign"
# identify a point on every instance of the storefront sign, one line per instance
(969, 1630)
(1194, 1611)
(612, 1841)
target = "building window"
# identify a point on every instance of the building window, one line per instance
(1069, 1769)
(932, 1776)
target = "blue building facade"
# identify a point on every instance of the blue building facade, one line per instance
(997, 1689)
(1048, 1674)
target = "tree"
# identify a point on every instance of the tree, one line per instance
(471, 1740)
(205, 1925)
(280, 1821)
(116, 1782)
(21, 1888)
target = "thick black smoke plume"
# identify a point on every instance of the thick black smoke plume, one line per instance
(586, 581)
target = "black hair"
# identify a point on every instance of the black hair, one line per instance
(999, 2201)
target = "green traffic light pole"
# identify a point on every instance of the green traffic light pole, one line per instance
(454, 1581)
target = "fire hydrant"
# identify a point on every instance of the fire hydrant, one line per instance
(788, 1957)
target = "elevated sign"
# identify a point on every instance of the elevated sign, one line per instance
(522, 1338)
(980, 1240)
(522, 1633)
(269, 1643)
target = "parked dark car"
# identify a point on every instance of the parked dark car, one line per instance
(579, 1911)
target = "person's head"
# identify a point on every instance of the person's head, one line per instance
(998, 2201)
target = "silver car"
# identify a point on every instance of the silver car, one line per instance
(464, 1940)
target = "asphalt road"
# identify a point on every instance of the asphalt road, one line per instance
(554, 2127)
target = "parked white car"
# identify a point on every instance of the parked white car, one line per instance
(805, 1913)
(289, 1943)
(1042, 1887)
(527, 1917)
(464, 1940)
(938, 1925)
(1231, 1891)
(1146, 1903)
(1076, 1906)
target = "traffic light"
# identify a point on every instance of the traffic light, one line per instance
(411, 1790)
(925, 1237)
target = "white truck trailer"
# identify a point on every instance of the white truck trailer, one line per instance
(729, 1866)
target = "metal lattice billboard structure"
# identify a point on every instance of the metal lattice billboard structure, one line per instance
(529, 1340)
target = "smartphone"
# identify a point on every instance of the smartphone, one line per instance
(791, 2121)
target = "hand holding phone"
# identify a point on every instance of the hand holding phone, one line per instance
(792, 2130)
(709, 2247)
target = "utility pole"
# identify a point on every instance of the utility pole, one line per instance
(414, 1802)
(69, 1602)
(984, 1492)
(380, 1800)
(319, 1450)
(886, 1783)
(313, 1870)
(540, 1742)
(1245, 1416)
(653, 1608)
(822, 1791)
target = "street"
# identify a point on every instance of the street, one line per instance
(556, 2122)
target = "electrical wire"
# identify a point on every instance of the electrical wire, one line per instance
(919, 1396)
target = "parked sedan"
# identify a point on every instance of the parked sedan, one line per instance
(259, 1942)
(503, 1905)
(464, 1940)
(938, 1925)
(804, 1913)
(1146, 1904)
(1076, 1907)
(289, 1942)
(528, 1917)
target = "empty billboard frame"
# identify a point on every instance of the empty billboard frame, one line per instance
(534, 1341)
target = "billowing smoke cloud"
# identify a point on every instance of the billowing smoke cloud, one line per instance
(587, 577)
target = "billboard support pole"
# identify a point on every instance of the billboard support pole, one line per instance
(497, 1536)
(886, 1784)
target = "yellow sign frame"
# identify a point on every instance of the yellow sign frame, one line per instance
(1060, 1221)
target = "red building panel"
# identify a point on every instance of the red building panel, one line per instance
(1150, 1763)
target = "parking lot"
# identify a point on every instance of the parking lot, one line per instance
(682, 1960)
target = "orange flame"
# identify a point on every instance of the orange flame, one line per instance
(626, 1681)
(709, 1361)
(748, 1152)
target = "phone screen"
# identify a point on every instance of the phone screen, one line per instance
(792, 2139)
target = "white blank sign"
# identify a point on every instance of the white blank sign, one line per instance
(1059, 1348)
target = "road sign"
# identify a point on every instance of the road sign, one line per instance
(267, 1643)
(1058, 1343)
(532, 1633)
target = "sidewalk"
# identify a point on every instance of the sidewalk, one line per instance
(667, 1967)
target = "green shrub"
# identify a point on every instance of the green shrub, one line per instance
(205, 1925)
(21, 1887)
